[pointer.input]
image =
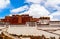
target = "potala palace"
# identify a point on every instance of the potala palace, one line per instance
(27, 27)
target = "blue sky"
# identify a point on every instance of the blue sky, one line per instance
(8, 7)
(13, 4)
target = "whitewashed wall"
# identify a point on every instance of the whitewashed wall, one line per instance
(54, 23)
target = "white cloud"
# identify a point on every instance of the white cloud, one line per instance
(53, 15)
(36, 11)
(34, 1)
(4, 3)
(17, 10)
(53, 19)
(52, 2)
(56, 13)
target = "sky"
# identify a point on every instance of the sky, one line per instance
(35, 8)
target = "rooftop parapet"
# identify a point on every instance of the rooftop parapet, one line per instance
(44, 17)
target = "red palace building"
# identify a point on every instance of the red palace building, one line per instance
(19, 19)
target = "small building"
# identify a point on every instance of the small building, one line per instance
(44, 20)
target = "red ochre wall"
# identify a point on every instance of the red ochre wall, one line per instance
(19, 19)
